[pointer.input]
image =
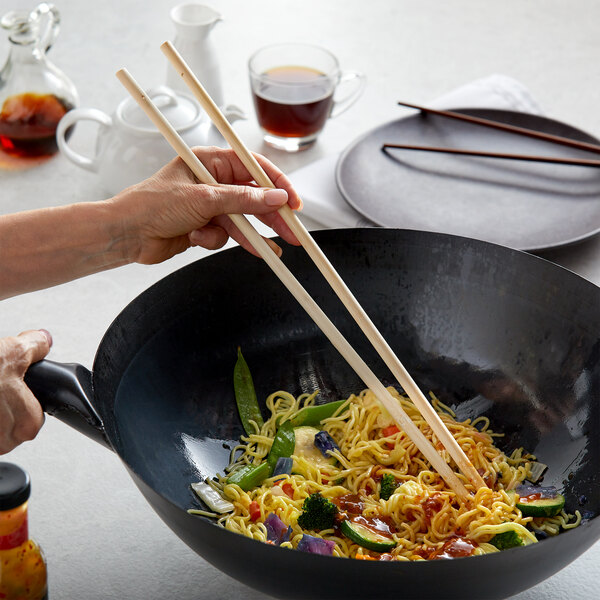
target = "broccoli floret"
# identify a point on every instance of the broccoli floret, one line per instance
(506, 540)
(388, 485)
(317, 513)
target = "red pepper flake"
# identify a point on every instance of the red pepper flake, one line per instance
(389, 431)
(288, 489)
(254, 511)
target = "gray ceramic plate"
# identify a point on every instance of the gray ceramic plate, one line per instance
(524, 205)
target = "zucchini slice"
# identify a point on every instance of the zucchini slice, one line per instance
(541, 507)
(366, 538)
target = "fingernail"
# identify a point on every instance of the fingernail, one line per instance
(48, 336)
(195, 237)
(275, 197)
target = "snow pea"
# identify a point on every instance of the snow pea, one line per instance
(250, 476)
(313, 415)
(283, 444)
(245, 395)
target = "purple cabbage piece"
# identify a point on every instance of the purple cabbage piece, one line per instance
(525, 489)
(283, 466)
(324, 442)
(277, 531)
(316, 545)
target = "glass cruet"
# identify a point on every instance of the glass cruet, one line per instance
(34, 93)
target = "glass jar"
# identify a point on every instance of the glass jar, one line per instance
(23, 574)
(34, 93)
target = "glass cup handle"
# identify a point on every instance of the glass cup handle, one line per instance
(358, 82)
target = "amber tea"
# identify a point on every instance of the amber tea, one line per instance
(293, 87)
(293, 101)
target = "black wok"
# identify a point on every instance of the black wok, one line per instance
(491, 330)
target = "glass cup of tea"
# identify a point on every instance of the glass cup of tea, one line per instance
(294, 92)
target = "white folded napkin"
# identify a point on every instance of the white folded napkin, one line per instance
(324, 206)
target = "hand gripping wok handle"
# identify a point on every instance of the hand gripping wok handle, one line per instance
(65, 391)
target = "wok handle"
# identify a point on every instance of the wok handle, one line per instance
(65, 391)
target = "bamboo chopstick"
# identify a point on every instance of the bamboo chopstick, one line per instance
(301, 295)
(328, 271)
(581, 162)
(548, 137)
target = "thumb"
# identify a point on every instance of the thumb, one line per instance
(244, 199)
(36, 344)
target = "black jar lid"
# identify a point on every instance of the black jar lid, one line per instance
(15, 486)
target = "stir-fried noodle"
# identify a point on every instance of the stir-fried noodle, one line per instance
(422, 518)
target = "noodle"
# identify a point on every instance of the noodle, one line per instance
(423, 513)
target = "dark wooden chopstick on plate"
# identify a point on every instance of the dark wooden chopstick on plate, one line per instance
(556, 139)
(583, 162)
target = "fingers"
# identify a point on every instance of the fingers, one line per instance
(21, 415)
(232, 231)
(209, 237)
(240, 199)
(35, 345)
(170, 211)
(277, 224)
(279, 180)
(227, 168)
(236, 199)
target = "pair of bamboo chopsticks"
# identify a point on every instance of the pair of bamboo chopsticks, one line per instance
(532, 133)
(305, 300)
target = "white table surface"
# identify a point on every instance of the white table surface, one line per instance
(101, 539)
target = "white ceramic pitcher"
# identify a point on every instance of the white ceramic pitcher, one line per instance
(193, 24)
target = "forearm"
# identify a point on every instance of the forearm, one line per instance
(46, 247)
(146, 223)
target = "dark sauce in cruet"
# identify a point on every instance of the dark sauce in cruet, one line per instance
(28, 124)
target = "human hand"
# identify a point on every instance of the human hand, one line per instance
(21, 415)
(169, 212)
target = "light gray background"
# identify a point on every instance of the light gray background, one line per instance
(101, 539)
